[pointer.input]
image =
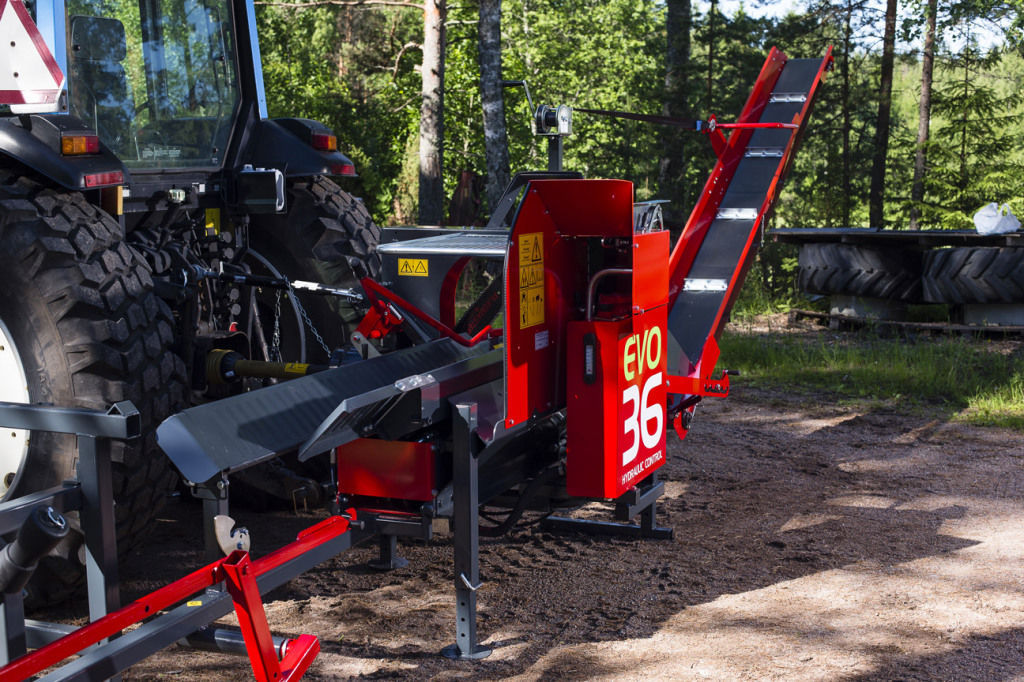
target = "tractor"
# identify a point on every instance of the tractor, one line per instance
(156, 218)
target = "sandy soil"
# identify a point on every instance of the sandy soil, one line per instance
(812, 541)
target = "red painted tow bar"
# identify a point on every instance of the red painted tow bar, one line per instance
(239, 574)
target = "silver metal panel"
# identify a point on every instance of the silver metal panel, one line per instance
(787, 97)
(343, 424)
(460, 243)
(234, 433)
(737, 214)
(764, 153)
(705, 284)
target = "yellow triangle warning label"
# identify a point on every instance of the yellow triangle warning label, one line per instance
(413, 267)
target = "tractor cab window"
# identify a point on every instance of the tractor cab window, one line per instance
(157, 79)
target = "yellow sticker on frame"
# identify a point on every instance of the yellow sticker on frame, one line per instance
(413, 267)
(531, 279)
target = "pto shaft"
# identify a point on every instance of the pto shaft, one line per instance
(225, 366)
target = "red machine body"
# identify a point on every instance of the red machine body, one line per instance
(545, 274)
(615, 415)
(601, 324)
(371, 467)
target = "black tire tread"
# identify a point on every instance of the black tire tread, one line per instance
(974, 275)
(328, 235)
(857, 270)
(115, 336)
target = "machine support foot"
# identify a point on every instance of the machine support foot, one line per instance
(641, 501)
(466, 535)
(388, 559)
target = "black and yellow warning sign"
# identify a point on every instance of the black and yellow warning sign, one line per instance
(413, 267)
(531, 279)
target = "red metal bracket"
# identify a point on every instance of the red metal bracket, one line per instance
(382, 299)
(719, 142)
(380, 320)
(702, 383)
(240, 574)
(252, 619)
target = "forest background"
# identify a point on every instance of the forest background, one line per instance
(921, 122)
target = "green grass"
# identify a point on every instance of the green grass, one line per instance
(974, 380)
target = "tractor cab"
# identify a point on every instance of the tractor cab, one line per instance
(158, 81)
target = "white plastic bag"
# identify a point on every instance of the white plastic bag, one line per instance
(996, 219)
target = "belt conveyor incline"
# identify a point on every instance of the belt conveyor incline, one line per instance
(722, 235)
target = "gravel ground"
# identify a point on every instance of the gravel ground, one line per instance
(813, 540)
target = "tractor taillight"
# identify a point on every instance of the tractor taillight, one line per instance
(346, 169)
(325, 142)
(73, 145)
(104, 179)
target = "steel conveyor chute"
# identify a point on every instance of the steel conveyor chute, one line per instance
(316, 412)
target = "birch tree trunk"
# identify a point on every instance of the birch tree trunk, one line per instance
(876, 196)
(431, 195)
(924, 114)
(495, 132)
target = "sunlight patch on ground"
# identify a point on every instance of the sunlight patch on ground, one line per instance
(807, 520)
(801, 629)
(863, 501)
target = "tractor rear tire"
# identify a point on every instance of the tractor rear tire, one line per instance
(327, 236)
(854, 270)
(83, 325)
(974, 275)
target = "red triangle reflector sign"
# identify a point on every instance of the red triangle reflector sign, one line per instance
(28, 72)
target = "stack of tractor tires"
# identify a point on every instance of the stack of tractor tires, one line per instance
(857, 270)
(974, 275)
(78, 307)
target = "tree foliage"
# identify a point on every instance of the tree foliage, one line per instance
(355, 68)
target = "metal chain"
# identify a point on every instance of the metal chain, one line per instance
(275, 344)
(309, 322)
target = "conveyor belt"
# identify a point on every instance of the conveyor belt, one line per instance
(237, 432)
(702, 304)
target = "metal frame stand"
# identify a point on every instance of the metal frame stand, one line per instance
(642, 501)
(466, 532)
(214, 494)
(92, 495)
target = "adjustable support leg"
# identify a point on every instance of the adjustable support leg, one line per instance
(466, 532)
(648, 514)
(388, 559)
(97, 517)
(12, 627)
(642, 501)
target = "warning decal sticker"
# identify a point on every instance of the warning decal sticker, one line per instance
(413, 267)
(531, 279)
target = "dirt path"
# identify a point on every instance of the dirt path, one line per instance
(815, 542)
